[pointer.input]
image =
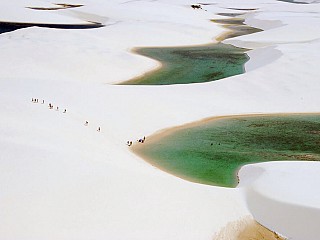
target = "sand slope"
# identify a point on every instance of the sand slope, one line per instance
(63, 180)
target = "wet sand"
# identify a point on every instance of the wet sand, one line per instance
(245, 229)
(236, 27)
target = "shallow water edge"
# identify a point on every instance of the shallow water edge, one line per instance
(219, 146)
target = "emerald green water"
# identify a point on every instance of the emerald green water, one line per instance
(183, 65)
(212, 152)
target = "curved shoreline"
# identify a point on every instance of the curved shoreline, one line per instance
(286, 209)
(137, 148)
(168, 131)
(229, 24)
(190, 64)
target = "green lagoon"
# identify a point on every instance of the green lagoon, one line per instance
(182, 65)
(212, 151)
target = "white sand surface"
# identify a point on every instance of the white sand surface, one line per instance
(63, 180)
(291, 205)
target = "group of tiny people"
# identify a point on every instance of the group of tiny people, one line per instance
(36, 100)
(141, 140)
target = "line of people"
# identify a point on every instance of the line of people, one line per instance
(129, 143)
(36, 100)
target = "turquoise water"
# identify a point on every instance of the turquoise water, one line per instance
(198, 64)
(212, 152)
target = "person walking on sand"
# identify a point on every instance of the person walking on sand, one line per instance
(65, 110)
(42, 101)
(57, 109)
(99, 129)
(86, 123)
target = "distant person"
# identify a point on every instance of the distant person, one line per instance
(57, 109)
(86, 123)
(99, 129)
(65, 111)
(42, 101)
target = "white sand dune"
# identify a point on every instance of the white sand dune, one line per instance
(63, 180)
(291, 204)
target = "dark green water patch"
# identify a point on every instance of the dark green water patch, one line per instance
(213, 151)
(244, 9)
(181, 65)
(12, 26)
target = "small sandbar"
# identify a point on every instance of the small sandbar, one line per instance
(229, 14)
(244, 9)
(212, 151)
(292, 1)
(236, 27)
(59, 6)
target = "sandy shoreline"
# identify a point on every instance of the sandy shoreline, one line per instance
(157, 136)
(168, 131)
(158, 65)
(244, 229)
(221, 37)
